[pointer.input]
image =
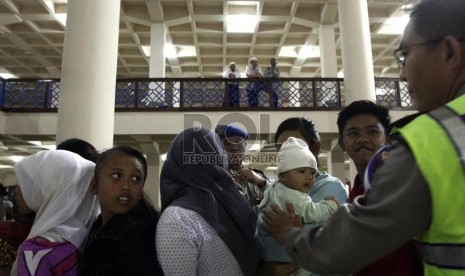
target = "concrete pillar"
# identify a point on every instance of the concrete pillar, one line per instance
(357, 57)
(152, 184)
(352, 173)
(335, 158)
(328, 56)
(88, 78)
(157, 63)
(157, 50)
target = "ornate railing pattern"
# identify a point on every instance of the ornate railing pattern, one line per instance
(206, 94)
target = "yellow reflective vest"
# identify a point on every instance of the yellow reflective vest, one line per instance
(437, 141)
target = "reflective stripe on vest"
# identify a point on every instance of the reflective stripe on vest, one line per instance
(444, 255)
(437, 142)
(448, 255)
(454, 125)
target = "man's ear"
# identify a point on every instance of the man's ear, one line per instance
(340, 141)
(93, 186)
(454, 50)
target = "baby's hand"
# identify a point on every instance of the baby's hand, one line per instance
(333, 199)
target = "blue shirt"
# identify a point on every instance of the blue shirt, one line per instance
(328, 185)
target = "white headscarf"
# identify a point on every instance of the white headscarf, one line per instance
(55, 185)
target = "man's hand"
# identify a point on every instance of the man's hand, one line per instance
(279, 222)
(252, 177)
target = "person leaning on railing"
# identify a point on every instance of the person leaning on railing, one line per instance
(232, 72)
(272, 72)
(254, 72)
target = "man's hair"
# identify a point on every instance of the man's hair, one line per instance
(435, 19)
(81, 147)
(104, 156)
(306, 128)
(363, 107)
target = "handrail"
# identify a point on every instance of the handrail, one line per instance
(205, 94)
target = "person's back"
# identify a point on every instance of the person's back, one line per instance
(233, 95)
(54, 185)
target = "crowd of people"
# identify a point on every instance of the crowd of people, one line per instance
(81, 212)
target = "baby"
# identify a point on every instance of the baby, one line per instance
(297, 168)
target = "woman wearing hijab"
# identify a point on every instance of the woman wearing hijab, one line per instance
(206, 226)
(55, 185)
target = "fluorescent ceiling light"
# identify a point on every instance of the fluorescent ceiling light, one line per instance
(308, 51)
(187, 51)
(5, 167)
(241, 23)
(61, 17)
(16, 158)
(163, 157)
(288, 51)
(394, 25)
(170, 51)
(271, 168)
(50, 146)
(146, 50)
(37, 143)
(7, 76)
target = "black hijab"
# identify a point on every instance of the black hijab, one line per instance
(194, 177)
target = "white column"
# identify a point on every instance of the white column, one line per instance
(352, 173)
(88, 78)
(157, 62)
(152, 184)
(157, 50)
(335, 159)
(357, 57)
(328, 56)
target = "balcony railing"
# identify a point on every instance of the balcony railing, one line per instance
(207, 94)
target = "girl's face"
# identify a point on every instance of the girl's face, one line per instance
(21, 207)
(119, 184)
(300, 179)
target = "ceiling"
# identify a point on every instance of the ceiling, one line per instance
(31, 35)
(31, 43)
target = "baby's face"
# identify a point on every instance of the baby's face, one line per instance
(300, 179)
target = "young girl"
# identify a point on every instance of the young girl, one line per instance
(55, 185)
(122, 240)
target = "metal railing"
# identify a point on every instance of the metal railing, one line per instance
(164, 94)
